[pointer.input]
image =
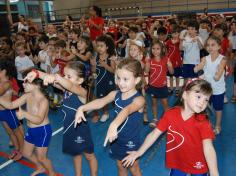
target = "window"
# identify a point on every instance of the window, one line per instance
(34, 11)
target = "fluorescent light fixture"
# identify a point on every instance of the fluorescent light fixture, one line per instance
(12, 1)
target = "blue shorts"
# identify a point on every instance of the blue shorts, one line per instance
(217, 102)
(176, 172)
(188, 71)
(177, 72)
(157, 92)
(9, 116)
(39, 136)
(118, 150)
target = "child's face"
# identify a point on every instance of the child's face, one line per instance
(156, 50)
(81, 45)
(195, 101)
(2, 75)
(3, 45)
(42, 45)
(204, 25)
(101, 47)
(192, 31)
(71, 75)
(125, 80)
(212, 46)
(175, 35)
(20, 50)
(74, 35)
(218, 32)
(29, 87)
(132, 35)
(134, 51)
(162, 37)
(111, 24)
(233, 27)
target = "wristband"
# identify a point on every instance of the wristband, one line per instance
(36, 71)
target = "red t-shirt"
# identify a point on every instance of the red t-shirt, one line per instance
(184, 148)
(174, 53)
(15, 88)
(158, 71)
(224, 46)
(94, 32)
(114, 31)
(61, 65)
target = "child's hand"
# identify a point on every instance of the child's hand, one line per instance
(79, 116)
(20, 113)
(102, 63)
(111, 134)
(30, 76)
(49, 79)
(130, 159)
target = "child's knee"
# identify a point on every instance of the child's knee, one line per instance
(41, 159)
(90, 157)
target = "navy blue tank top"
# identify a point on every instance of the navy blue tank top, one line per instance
(130, 129)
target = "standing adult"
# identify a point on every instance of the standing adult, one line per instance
(95, 23)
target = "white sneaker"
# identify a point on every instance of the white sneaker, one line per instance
(225, 99)
(104, 118)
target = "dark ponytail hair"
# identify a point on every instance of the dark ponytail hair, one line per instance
(79, 67)
(9, 66)
(98, 11)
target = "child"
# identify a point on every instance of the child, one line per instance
(175, 58)
(157, 68)
(84, 52)
(51, 31)
(213, 66)
(129, 104)
(191, 44)
(7, 73)
(22, 62)
(104, 68)
(136, 50)
(232, 37)
(43, 57)
(76, 141)
(133, 31)
(39, 129)
(189, 147)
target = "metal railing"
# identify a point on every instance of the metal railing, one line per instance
(145, 8)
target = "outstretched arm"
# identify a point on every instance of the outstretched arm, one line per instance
(149, 140)
(136, 105)
(210, 156)
(15, 104)
(93, 105)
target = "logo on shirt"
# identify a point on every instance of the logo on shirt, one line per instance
(79, 140)
(176, 136)
(130, 144)
(199, 165)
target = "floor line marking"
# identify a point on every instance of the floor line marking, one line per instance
(10, 161)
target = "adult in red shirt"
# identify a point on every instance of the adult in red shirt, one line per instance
(189, 148)
(95, 22)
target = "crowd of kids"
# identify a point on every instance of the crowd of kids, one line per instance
(92, 65)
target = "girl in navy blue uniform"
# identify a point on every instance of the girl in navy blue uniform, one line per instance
(124, 132)
(104, 67)
(39, 132)
(76, 141)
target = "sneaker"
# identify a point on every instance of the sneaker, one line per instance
(104, 118)
(225, 99)
(170, 91)
(153, 123)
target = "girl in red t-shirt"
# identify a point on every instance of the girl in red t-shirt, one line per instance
(157, 68)
(174, 54)
(189, 148)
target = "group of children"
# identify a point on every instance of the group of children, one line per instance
(79, 69)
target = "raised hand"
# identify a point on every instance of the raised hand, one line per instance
(49, 79)
(79, 116)
(112, 134)
(31, 76)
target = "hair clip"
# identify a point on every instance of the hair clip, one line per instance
(190, 81)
